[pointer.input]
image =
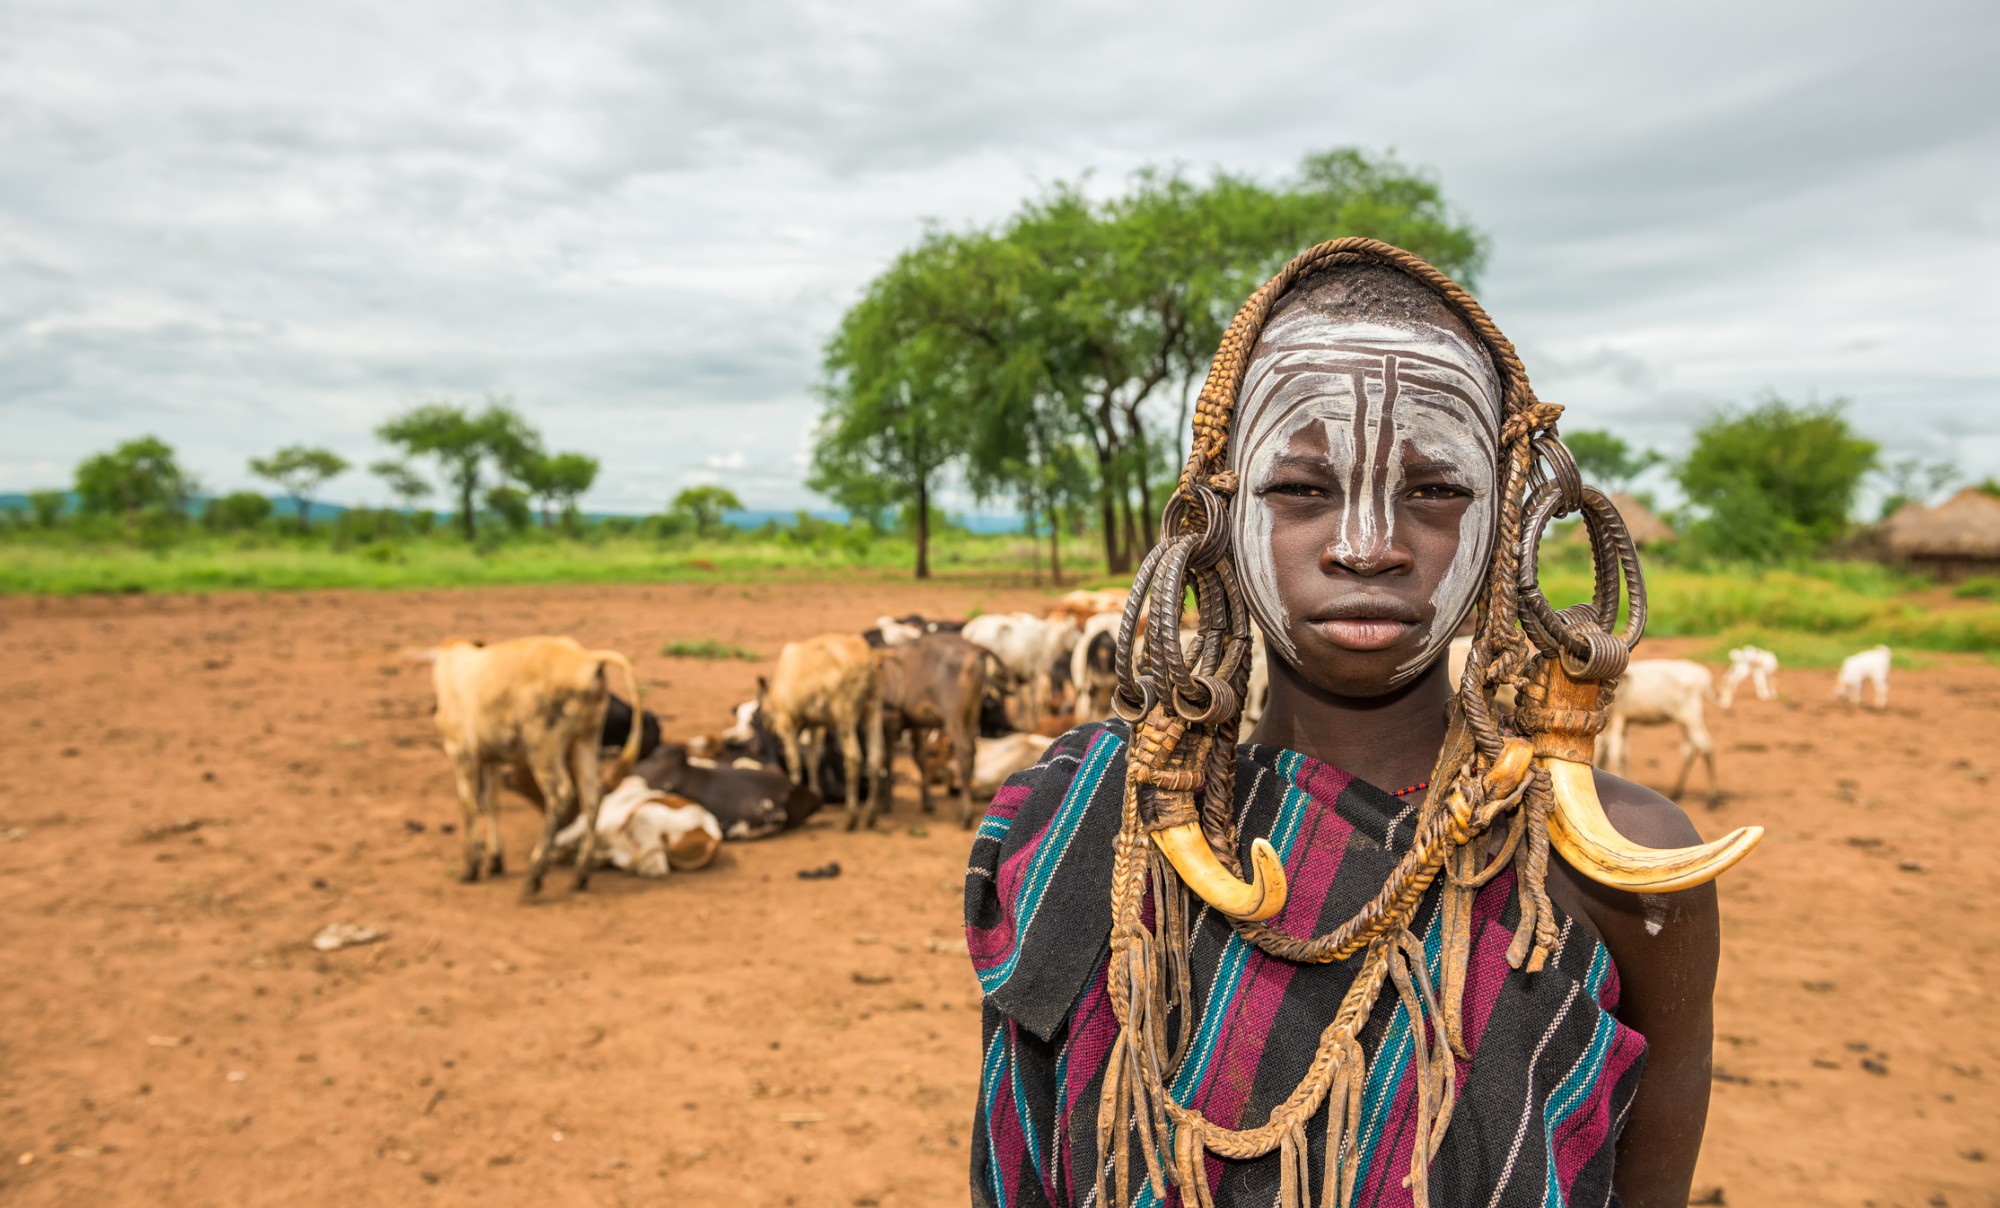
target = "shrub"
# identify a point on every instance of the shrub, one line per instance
(235, 512)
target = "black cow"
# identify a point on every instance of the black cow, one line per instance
(748, 803)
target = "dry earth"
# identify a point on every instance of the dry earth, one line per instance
(190, 788)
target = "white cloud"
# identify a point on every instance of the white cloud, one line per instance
(240, 227)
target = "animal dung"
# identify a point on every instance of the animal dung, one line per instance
(825, 872)
(335, 936)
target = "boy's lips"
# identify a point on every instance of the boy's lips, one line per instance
(1364, 633)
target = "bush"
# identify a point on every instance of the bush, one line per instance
(512, 507)
(235, 512)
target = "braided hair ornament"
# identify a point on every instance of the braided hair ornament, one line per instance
(1503, 790)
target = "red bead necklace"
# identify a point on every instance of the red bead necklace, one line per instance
(1412, 789)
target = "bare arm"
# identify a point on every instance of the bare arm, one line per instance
(1665, 947)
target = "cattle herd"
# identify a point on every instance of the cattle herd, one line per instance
(978, 700)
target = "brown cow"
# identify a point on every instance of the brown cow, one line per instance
(936, 684)
(537, 702)
(828, 684)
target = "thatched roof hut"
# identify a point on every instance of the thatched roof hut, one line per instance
(1958, 537)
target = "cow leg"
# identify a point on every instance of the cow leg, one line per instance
(876, 754)
(466, 772)
(489, 808)
(964, 746)
(559, 790)
(919, 742)
(1881, 693)
(588, 784)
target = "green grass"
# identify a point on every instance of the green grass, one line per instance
(707, 648)
(1812, 614)
(201, 564)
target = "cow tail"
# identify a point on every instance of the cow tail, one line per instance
(629, 753)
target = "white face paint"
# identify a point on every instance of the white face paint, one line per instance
(1382, 396)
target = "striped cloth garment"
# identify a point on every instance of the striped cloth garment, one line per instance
(1539, 1105)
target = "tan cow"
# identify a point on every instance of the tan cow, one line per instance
(829, 684)
(538, 703)
(1080, 606)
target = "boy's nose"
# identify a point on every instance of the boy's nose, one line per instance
(1366, 555)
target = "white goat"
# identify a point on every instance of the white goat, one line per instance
(1871, 666)
(1751, 663)
(1658, 692)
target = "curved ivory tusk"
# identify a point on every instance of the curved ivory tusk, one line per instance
(1586, 838)
(1187, 849)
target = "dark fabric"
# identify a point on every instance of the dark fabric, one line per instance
(1540, 1103)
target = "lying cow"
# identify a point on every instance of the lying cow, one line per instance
(936, 685)
(749, 741)
(1871, 666)
(748, 803)
(1751, 663)
(829, 685)
(645, 832)
(540, 703)
(1027, 646)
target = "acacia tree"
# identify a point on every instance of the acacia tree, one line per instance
(705, 505)
(299, 471)
(900, 382)
(558, 480)
(139, 477)
(463, 444)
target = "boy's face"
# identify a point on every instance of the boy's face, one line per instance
(1367, 456)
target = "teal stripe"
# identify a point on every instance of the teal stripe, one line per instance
(991, 827)
(1571, 1092)
(989, 1083)
(1235, 953)
(1034, 1143)
(1050, 851)
(1392, 1058)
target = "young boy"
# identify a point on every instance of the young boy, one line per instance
(1152, 1048)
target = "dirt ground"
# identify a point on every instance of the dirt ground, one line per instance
(190, 788)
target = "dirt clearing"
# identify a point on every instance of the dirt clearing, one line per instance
(192, 789)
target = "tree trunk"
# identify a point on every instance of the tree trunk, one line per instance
(304, 505)
(923, 528)
(1131, 532)
(465, 518)
(1055, 545)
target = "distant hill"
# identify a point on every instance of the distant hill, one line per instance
(750, 518)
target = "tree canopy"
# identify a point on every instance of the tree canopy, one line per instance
(463, 444)
(1607, 460)
(704, 506)
(139, 477)
(1775, 479)
(299, 471)
(1051, 359)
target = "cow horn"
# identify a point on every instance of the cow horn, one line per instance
(1586, 838)
(1187, 849)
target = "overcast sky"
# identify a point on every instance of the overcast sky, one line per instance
(240, 225)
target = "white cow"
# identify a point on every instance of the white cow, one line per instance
(1751, 663)
(1657, 692)
(1871, 666)
(1028, 647)
(897, 633)
(646, 832)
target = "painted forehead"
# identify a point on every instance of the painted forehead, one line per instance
(1335, 369)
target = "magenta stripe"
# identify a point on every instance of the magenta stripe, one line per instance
(1486, 968)
(1009, 1137)
(1582, 1136)
(1007, 801)
(1093, 1030)
(1232, 1068)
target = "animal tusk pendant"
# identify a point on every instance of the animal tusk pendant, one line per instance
(1187, 849)
(1585, 837)
(1566, 716)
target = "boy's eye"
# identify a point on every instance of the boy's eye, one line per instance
(1439, 490)
(1300, 490)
